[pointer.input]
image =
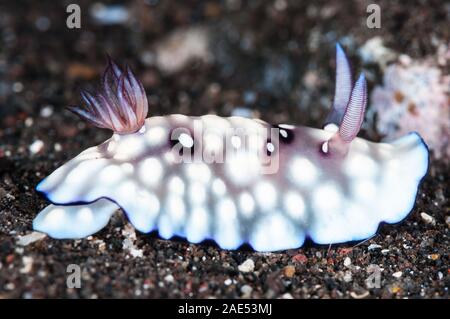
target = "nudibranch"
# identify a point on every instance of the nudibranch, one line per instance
(233, 180)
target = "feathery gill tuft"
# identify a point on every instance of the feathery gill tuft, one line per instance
(120, 105)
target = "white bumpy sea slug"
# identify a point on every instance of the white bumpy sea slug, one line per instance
(234, 180)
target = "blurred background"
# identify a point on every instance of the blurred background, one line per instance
(273, 60)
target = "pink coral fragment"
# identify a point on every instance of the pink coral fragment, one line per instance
(414, 97)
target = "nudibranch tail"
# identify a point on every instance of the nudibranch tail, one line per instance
(121, 104)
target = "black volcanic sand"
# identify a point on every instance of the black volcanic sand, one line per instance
(42, 66)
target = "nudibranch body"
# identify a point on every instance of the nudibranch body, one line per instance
(234, 180)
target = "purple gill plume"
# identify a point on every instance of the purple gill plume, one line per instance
(120, 105)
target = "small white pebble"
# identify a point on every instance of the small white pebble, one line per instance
(136, 253)
(27, 264)
(30, 238)
(246, 290)
(10, 286)
(427, 218)
(169, 278)
(373, 247)
(42, 23)
(58, 147)
(287, 296)
(247, 266)
(397, 274)
(27, 295)
(347, 261)
(228, 282)
(347, 276)
(28, 122)
(385, 251)
(361, 296)
(47, 111)
(17, 87)
(36, 146)
(405, 59)
(280, 5)
(109, 14)
(129, 242)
